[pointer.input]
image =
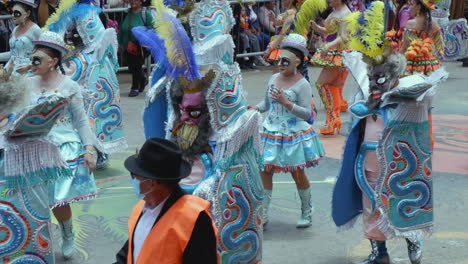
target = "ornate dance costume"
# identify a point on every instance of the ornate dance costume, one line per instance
(386, 172)
(27, 163)
(208, 118)
(333, 57)
(21, 47)
(71, 144)
(94, 67)
(289, 141)
(422, 52)
(331, 94)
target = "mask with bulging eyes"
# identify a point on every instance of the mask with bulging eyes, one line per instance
(19, 14)
(379, 83)
(72, 37)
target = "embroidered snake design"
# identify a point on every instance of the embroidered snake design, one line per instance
(103, 113)
(16, 228)
(29, 258)
(401, 182)
(234, 234)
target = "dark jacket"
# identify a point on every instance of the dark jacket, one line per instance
(201, 247)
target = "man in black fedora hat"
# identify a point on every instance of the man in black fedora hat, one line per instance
(167, 226)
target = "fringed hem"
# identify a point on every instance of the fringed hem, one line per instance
(291, 168)
(412, 233)
(74, 199)
(333, 58)
(40, 176)
(215, 50)
(231, 139)
(112, 146)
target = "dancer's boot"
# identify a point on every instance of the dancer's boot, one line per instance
(331, 122)
(379, 254)
(68, 238)
(266, 205)
(306, 208)
(414, 251)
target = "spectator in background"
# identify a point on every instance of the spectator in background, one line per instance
(263, 38)
(46, 8)
(134, 54)
(248, 41)
(267, 17)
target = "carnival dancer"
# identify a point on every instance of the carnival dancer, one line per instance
(168, 226)
(93, 64)
(386, 171)
(21, 37)
(206, 116)
(283, 25)
(333, 76)
(27, 162)
(71, 133)
(422, 41)
(290, 144)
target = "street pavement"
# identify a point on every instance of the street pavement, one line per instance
(101, 223)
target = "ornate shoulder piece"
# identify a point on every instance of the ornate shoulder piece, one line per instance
(210, 24)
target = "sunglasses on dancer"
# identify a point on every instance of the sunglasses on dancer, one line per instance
(36, 60)
(17, 13)
(284, 62)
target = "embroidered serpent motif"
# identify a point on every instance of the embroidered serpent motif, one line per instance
(16, 228)
(401, 182)
(245, 244)
(28, 258)
(103, 113)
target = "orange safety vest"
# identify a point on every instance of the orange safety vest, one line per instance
(167, 240)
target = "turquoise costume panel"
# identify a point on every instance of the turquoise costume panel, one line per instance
(95, 66)
(25, 228)
(404, 191)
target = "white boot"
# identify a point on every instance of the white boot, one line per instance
(266, 205)
(306, 208)
(68, 238)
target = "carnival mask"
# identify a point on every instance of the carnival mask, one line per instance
(19, 14)
(41, 62)
(288, 62)
(380, 82)
(191, 129)
(72, 37)
(190, 113)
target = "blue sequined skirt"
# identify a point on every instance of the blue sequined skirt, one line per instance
(291, 151)
(79, 187)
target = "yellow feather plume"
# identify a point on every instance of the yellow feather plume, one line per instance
(309, 10)
(366, 30)
(63, 7)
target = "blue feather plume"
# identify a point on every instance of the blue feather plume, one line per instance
(155, 45)
(179, 47)
(68, 17)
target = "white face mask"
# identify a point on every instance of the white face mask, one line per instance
(288, 62)
(136, 188)
(19, 14)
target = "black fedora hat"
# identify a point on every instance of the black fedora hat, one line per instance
(159, 159)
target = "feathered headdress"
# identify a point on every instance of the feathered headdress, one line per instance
(366, 30)
(179, 49)
(67, 13)
(309, 10)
